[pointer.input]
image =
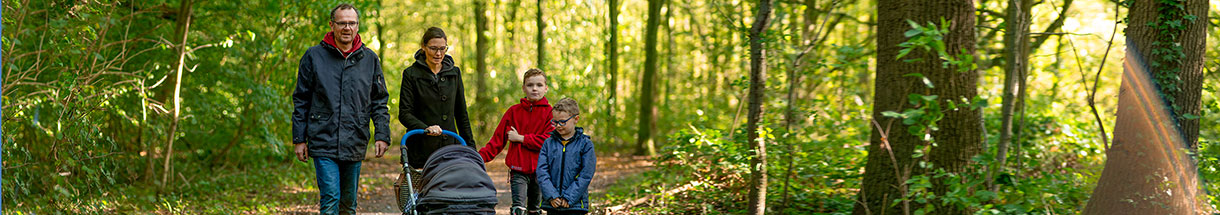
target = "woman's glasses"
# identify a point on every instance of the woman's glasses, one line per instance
(438, 48)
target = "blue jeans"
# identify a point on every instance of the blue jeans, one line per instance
(338, 182)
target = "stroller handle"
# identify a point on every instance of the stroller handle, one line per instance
(422, 131)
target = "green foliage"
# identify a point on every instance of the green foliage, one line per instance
(921, 120)
(930, 38)
(1167, 54)
(86, 110)
(95, 96)
(1208, 153)
(713, 169)
(964, 191)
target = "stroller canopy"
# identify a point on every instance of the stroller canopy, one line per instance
(454, 175)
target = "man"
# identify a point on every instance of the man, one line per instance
(340, 88)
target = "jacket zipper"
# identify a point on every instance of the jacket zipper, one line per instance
(342, 72)
(563, 167)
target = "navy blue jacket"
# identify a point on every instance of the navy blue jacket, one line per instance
(564, 173)
(334, 100)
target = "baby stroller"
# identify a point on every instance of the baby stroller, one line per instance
(454, 181)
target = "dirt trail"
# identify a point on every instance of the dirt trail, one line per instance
(377, 178)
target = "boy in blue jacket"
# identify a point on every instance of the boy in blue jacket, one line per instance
(563, 174)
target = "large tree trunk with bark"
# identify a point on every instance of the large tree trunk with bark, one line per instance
(1149, 161)
(891, 146)
(758, 84)
(644, 141)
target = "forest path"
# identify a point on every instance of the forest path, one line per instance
(377, 177)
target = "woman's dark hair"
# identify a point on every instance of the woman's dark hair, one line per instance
(433, 33)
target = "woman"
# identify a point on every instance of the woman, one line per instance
(432, 98)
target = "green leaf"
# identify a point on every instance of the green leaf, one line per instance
(915, 98)
(985, 195)
(902, 53)
(893, 114)
(913, 24)
(912, 32)
(928, 98)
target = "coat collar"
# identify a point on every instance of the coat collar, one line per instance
(580, 134)
(541, 102)
(329, 39)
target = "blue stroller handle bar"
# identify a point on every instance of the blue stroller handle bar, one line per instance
(422, 131)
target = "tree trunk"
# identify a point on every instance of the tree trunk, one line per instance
(758, 82)
(891, 146)
(1016, 42)
(644, 142)
(807, 34)
(1149, 159)
(184, 25)
(510, 24)
(612, 49)
(2, 122)
(541, 39)
(668, 78)
(381, 31)
(150, 161)
(481, 98)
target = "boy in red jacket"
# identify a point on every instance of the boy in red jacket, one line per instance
(526, 126)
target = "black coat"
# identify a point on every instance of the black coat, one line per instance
(334, 100)
(428, 99)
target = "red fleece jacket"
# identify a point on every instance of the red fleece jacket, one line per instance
(532, 120)
(356, 43)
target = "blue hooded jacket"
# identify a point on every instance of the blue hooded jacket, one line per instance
(566, 174)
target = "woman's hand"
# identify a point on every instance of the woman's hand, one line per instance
(434, 130)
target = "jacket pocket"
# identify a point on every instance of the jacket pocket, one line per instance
(320, 129)
(362, 126)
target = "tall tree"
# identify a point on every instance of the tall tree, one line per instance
(612, 59)
(184, 25)
(806, 30)
(1016, 42)
(644, 142)
(1157, 125)
(1, 121)
(758, 84)
(892, 146)
(541, 39)
(510, 24)
(480, 24)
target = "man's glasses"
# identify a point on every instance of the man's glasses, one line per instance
(352, 24)
(438, 48)
(558, 123)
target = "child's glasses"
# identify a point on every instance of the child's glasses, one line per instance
(558, 123)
